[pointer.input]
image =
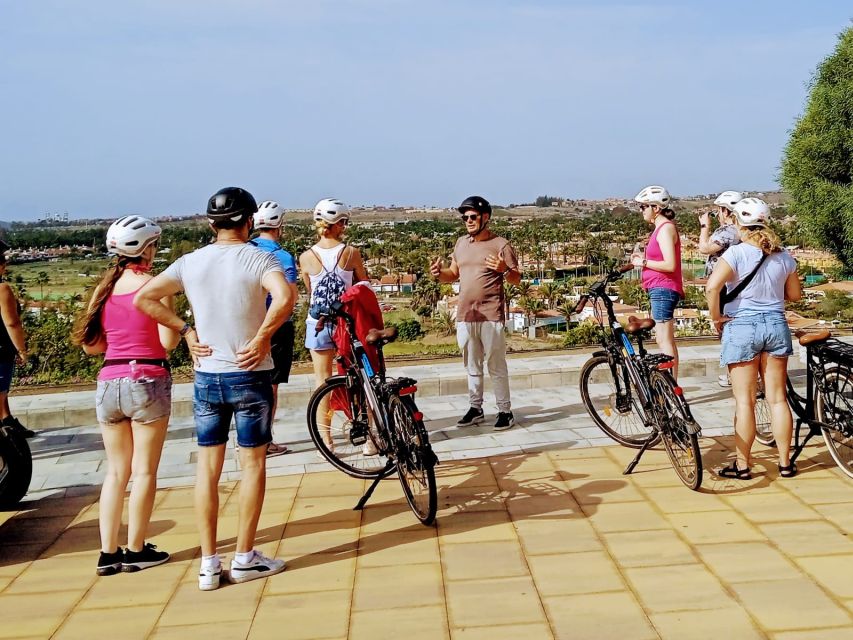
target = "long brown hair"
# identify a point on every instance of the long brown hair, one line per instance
(89, 328)
(764, 237)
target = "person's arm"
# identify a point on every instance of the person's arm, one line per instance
(279, 310)
(168, 338)
(666, 241)
(306, 278)
(149, 300)
(12, 320)
(706, 245)
(357, 263)
(722, 273)
(444, 275)
(793, 288)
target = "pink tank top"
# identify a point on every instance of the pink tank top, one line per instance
(653, 279)
(130, 334)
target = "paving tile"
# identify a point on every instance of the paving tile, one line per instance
(309, 616)
(747, 561)
(33, 614)
(841, 515)
(732, 622)
(476, 561)
(476, 527)
(469, 499)
(510, 465)
(190, 606)
(330, 484)
(772, 507)
(575, 573)
(209, 631)
(306, 539)
(581, 617)
(317, 572)
(540, 631)
(835, 573)
(677, 500)
(331, 510)
(55, 574)
(471, 603)
(133, 622)
(625, 516)
(786, 605)
(591, 492)
(426, 623)
(521, 507)
(662, 589)
(839, 633)
(391, 548)
(714, 526)
(648, 548)
(557, 535)
(400, 586)
(808, 538)
(822, 490)
(381, 518)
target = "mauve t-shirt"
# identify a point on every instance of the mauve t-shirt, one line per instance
(481, 291)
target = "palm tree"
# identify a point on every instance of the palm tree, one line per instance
(549, 292)
(567, 309)
(42, 279)
(444, 323)
(531, 307)
(510, 293)
(703, 325)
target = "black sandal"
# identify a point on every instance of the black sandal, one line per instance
(789, 471)
(733, 472)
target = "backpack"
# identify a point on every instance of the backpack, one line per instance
(328, 289)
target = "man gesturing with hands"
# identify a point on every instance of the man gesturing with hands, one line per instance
(227, 283)
(481, 261)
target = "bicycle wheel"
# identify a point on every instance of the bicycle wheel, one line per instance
(415, 458)
(835, 407)
(331, 410)
(620, 417)
(763, 432)
(681, 445)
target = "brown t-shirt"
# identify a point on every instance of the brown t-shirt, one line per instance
(481, 292)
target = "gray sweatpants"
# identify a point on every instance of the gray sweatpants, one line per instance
(481, 341)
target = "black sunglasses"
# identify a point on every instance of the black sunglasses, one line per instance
(470, 216)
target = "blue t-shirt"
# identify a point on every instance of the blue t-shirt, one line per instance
(766, 292)
(288, 264)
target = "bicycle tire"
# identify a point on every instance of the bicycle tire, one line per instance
(628, 428)
(343, 454)
(16, 469)
(681, 445)
(763, 430)
(415, 458)
(838, 405)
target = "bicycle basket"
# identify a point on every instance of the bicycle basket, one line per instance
(837, 352)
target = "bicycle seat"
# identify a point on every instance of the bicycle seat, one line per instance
(636, 324)
(383, 336)
(814, 338)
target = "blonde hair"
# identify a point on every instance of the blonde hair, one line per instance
(763, 237)
(323, 228)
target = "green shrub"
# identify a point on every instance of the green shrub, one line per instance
(409, 330)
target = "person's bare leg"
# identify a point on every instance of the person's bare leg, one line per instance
(665, 337)
(209, 470)
(5, 411)
(253, 463)
(147, 446)
(744, 383)
(322, 361)
(118, 444)
(781, 421)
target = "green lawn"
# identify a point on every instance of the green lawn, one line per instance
(64, 276)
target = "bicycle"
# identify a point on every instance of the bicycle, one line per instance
(368, 425)
(641, 403)
(827, 406)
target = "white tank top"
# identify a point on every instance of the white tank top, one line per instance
(330, 258)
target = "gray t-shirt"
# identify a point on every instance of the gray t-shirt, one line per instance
(725, 236)
(223, 286)
(766, 292)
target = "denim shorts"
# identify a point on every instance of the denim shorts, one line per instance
(245, 396)
(747, 336)
(318, 341)
(7, 370)
(143, 401)
(663, 302)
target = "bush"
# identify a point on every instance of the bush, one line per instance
(585, 333)
(409, 330)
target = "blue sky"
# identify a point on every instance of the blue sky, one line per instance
(150, 106)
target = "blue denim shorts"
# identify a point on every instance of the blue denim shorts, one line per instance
(143, 401)
(7, 370)
(318, 341)
(663, 303)
(244, 396)
(747, 336)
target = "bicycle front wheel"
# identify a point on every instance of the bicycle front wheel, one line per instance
(617, 412)
(415, 458)
(335, 415)
(677, 430)
(835, 408)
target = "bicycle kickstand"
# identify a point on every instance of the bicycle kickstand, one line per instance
(640, 453)
(363, 500)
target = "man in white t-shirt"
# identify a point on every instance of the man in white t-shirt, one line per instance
(227, 283)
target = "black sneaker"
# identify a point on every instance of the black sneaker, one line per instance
(139, 560)
(17, 427)
(110, 563)
(505, 421)
(474, 416)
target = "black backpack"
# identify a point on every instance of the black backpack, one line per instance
(327, 291)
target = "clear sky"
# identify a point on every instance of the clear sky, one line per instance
(112, 107)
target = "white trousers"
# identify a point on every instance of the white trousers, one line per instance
(484, 341)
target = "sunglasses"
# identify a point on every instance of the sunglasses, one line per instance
(470, 216)
(643, 207)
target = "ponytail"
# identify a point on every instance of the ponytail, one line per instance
(763, 237)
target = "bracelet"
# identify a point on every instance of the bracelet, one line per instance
(185, 329)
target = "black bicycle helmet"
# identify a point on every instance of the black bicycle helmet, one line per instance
(231, 203)
(475, 203)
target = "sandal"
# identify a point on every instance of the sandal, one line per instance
(788, 471)
(733, 472)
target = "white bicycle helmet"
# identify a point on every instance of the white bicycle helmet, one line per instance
(331, 211)
(130, 235)
(654, 194)
(728, 199)
(269, 215)
(752, 212)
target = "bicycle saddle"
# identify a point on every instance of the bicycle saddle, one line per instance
(813, 338)
(381, 335)
(636, 324)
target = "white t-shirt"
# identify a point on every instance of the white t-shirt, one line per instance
(223, 286)
(766, 292)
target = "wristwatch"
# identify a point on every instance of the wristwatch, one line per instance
(703, 226)
(645, 262)
(185, 329)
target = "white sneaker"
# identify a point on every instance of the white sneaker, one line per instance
(210, 577)
(259, 567)
(723, 380)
